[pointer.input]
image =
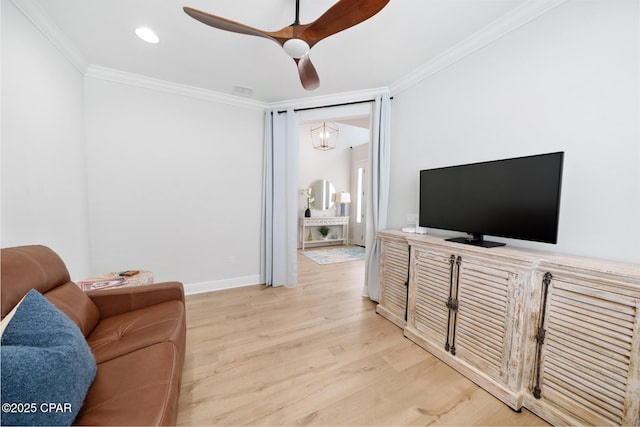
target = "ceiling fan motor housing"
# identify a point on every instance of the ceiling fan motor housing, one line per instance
(296, 48)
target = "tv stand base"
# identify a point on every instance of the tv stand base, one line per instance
(475, 242)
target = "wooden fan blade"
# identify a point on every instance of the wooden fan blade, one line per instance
(308, 74)
(226, 24)
(340, 16)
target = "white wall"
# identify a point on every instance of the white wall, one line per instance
(567, 81)
(44, 181)
(175, 185)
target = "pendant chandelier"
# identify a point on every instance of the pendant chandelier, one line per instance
(324, 136)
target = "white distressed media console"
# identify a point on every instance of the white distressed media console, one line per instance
(557, 334)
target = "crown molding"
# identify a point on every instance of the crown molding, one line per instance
(487, 35)
(492, 32)
(41, 20)
(141, 81)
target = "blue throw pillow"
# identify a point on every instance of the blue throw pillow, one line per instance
(47, 366)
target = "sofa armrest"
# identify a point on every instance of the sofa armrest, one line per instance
(112, 302)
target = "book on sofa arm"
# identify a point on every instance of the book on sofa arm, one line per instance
(91, 285)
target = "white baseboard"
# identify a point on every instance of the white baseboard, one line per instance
(217, 285)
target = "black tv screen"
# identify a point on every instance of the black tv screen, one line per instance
(517, 198)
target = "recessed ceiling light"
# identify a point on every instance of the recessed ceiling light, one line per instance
(147, 35)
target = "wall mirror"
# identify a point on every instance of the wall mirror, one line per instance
(322, 192)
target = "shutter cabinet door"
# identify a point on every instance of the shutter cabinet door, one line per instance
(589, 364)
(395, 274)
(432, 275)
(484, 305)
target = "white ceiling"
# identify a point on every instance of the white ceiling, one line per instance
(405, 35)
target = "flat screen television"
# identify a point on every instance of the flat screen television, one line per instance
(517, 198)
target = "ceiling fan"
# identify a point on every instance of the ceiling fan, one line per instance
(297, 39)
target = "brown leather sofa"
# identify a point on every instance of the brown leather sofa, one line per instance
(136, 334)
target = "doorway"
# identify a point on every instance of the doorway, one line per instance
(345, 166)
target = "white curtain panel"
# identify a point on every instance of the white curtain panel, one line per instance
(379, 165)
(278, 260)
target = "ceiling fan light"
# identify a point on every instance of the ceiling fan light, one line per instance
(296, 48)
(147, 35)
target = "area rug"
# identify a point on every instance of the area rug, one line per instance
(335, 255)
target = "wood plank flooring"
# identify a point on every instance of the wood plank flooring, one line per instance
(318, 354)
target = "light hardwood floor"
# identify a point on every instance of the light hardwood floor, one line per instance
(318, 354)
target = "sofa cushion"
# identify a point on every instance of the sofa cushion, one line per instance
(29, 267)
(45, 360)
(139, 388)
(131, 331)
(38, 267)
(70, 300)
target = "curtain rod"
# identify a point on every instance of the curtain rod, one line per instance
(329, 106)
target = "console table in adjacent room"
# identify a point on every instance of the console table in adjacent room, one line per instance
(307, 226)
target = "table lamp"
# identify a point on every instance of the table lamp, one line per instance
(342, 199)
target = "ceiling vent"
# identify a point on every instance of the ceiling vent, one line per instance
(242, 91)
